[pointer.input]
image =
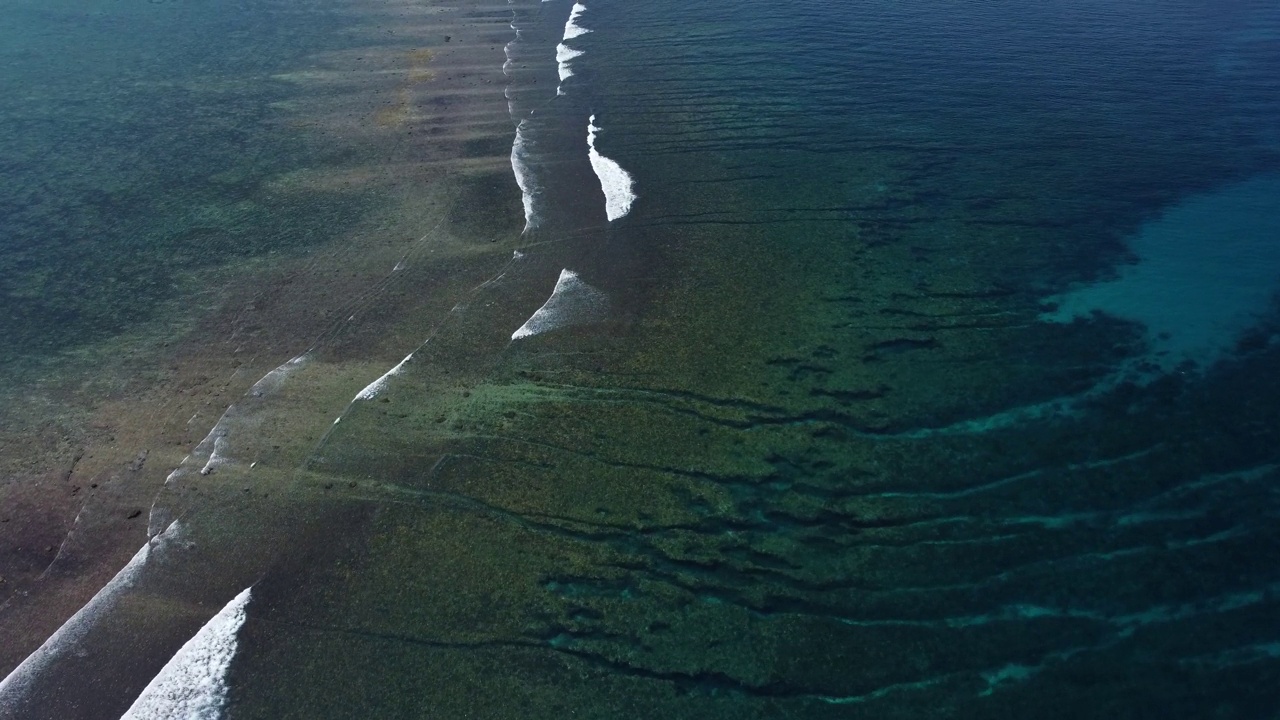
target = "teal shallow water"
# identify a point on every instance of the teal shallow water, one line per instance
(1203, 277)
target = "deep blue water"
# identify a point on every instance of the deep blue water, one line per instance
(896, 361)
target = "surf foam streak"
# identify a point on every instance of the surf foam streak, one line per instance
(377, 386)
(571, 28)
(14, 687)
(193, 684)
(212, 450)
(372, 389)
(274, 379)
(520, 166)
(616, 183)
(564, 54)
(572, 302)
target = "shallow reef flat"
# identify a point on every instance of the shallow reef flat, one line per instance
(777, 496)
(374, 230)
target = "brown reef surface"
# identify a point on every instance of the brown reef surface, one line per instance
(87, 439)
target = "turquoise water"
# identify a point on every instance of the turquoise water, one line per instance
(1203, 278)
(855, 360)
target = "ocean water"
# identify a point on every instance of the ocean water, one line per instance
(135, 153)
(728, 360)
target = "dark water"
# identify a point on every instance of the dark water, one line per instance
(932, 373)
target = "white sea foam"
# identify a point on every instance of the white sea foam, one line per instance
(571, 28)
(520, 166)
(506, 49)
(217, 456)
(274, 379)
(14, 688)
(372, 389)
(564, 54)
(572, 302)
(508, 64)
(193, 684)
(616, 183)
(212, 449)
